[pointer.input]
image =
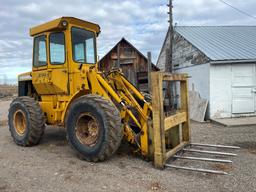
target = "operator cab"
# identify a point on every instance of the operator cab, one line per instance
(51, 42)
(63, 48)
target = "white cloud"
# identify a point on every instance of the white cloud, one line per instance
(31, 8)
(142, 22)
(213, 12)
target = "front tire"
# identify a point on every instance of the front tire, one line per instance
(26, 121)
(94, 127)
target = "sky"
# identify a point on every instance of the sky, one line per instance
(142, 22)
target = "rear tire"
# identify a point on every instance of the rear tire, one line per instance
(26, 121)
(94, 127)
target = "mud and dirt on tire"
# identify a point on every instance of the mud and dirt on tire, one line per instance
(94, 128)
(26, 121)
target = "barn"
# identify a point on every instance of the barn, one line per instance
(133, 63)
(221, 62)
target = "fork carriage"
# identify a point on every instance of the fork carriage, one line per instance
(172, 133)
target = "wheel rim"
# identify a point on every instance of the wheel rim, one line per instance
(87, 129)
(19, 122)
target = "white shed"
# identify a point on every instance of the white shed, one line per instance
(221, 61)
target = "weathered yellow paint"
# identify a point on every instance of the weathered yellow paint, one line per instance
(25, 76)
(57, 86)
(56, 25)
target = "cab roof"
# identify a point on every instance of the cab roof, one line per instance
(57, 25)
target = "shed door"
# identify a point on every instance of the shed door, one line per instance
(243, 85)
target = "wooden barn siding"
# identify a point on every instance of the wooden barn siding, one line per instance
(184, 53)
(136, 72)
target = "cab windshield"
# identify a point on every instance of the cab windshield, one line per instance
(83, 46)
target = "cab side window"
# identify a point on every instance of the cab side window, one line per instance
(40, 56)
(83, 44)
(57, 48)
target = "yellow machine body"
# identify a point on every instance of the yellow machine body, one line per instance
(57, 86)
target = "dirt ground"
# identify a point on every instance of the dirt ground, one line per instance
(53, 166)
(4, 106)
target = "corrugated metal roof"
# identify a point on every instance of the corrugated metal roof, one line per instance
(222, 42)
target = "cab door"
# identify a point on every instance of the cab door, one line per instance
(58, 67)
(50, 72)
(40, 76)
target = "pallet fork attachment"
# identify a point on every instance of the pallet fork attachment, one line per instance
(168, 129)
(162, 125)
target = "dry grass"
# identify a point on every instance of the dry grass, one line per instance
(8, 90)
(3, 122)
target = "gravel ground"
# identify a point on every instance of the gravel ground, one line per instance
(4, 106)
(53, 166)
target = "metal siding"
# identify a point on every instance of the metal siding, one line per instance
(222, 42)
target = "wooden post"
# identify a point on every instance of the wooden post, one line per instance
(158, 120)
(169, 67)
(149, 71)
(185, 107)
(168, 62)
(168, 83)
(118, 56)
(171, 91)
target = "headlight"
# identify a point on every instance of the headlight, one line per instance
(64, 23)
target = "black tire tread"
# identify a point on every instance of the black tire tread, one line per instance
(113, 122)
(35, 117)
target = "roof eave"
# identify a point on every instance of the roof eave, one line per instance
(231, 61)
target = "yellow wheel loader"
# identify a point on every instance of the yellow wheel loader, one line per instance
(98, 109)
